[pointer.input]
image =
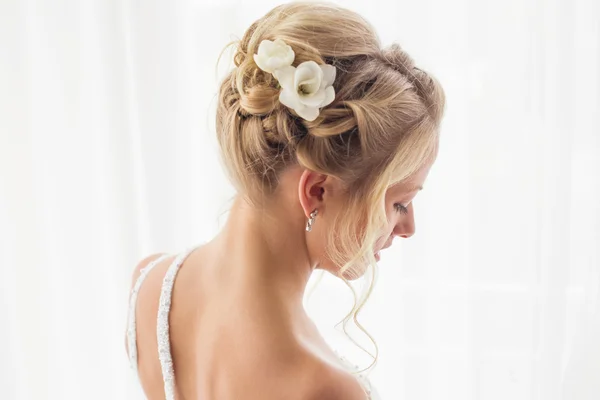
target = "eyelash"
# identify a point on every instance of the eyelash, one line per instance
(400, 208)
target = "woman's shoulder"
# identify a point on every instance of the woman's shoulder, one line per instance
(300, 374)
(262, 360)
(332, 382)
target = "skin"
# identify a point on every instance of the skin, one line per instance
(238, 326)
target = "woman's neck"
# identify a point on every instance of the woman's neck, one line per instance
(265, 251)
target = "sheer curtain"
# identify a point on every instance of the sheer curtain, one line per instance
(108, 153)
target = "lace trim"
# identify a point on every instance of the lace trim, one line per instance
(162, 325)
(131, 325)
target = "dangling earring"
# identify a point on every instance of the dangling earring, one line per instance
(311, 220)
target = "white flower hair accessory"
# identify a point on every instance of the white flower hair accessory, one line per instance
(306, 88)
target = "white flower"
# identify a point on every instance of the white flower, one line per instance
(274, 55)
(306, 88)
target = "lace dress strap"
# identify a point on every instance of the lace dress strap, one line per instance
(131, 323)
(162, 325)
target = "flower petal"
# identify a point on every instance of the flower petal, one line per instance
(289, 55)
(309, 76)
(328, 75)
(290, 99)
(265, 46)
(313, 100)
(285, 76)
(279, 42)
(308, 113)
(286, 53)
(258, 60)
(329, 96)
(273, 63)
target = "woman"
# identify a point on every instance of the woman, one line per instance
(327, 138)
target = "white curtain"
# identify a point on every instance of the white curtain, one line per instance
(108, 153)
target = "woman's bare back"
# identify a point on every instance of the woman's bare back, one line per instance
(230, 343)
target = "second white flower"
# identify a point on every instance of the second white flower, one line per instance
(306, 88)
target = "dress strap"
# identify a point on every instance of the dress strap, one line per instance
(131, 323)
(162, 325)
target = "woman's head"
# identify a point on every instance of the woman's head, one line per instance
(360, 158)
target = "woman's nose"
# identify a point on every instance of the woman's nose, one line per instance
(406, 225)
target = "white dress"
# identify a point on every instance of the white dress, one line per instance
(162, 326)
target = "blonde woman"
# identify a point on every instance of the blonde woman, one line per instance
(328, 138)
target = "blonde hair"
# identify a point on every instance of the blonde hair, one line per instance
(381, 128)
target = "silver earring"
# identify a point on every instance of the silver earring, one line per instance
(311, 220)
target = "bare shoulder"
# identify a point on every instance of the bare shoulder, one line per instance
(332, 383)
(286, 370)
(320, 380)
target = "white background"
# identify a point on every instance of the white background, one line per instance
(108, 153)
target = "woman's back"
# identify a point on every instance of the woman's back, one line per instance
(224, 342)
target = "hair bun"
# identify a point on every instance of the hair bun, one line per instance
(380, 99)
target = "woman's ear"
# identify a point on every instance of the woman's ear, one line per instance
(311, 190)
